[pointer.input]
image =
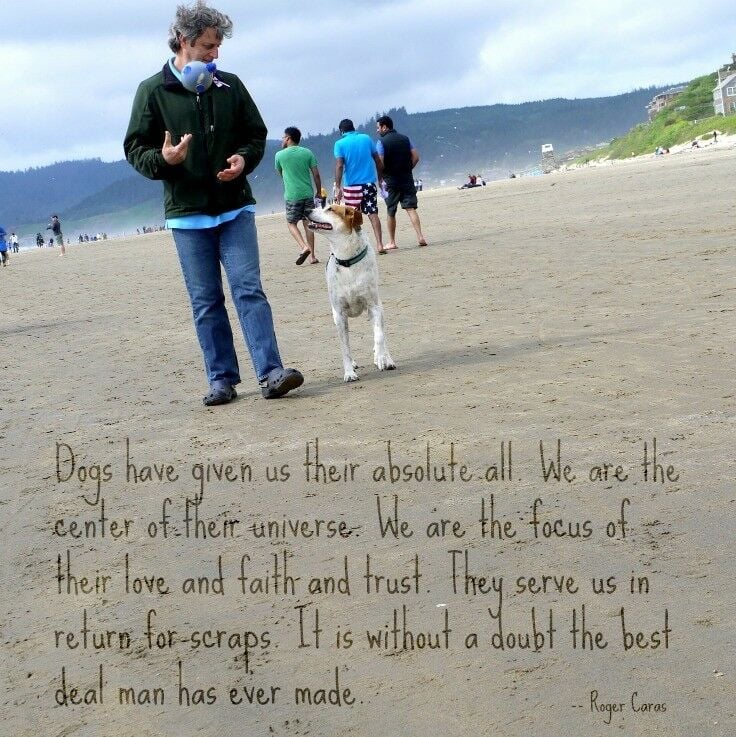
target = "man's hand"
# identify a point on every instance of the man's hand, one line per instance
(237, 165)
(338, 195)
(175, 154)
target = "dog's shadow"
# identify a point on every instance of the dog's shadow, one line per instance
(480, 354)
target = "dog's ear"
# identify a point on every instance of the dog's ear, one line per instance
(355, 218)
(350, 215)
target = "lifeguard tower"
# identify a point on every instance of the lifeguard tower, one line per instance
(549, 163)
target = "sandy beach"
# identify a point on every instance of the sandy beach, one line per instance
(594, 308)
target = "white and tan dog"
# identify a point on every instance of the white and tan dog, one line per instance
(352, 280)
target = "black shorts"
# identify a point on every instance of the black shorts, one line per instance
(403, 193)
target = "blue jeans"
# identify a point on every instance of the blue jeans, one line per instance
(235, 245)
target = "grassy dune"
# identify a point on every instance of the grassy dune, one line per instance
(688, 117)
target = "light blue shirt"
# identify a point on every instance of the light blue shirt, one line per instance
(356, 150)
(200, 221)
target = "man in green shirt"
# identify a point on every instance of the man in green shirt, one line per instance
(297, 166)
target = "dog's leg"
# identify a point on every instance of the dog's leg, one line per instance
(381, 356)
(341, 321)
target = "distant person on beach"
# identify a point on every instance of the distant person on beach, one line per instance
(398, 157)
(472, 182)
(297, 166)
(39, 240)
(14, 242)
(55, 227)
(208, 202)
(715, 136)
(357, 169)
(3, 246)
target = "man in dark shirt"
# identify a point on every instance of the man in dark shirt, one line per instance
(399, 157)
(202, 148)
(55, 227)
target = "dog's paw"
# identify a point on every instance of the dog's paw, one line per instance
(384, 362)
(350, 376)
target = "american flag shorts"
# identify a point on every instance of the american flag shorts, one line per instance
(363, 197)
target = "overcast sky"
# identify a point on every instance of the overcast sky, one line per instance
(75, 66)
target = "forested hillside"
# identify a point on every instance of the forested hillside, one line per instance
(491, 140)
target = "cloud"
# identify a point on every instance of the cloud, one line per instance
(76, 65)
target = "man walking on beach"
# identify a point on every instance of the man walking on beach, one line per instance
(357, 161)
(398, 157)
(297, 166)
(202, 144)
(3, 246)
(55, 227)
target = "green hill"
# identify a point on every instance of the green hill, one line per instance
(38, 192)
(687, 117)
(116, 197)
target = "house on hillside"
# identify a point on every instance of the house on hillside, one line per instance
(724, 94)
(659, 101)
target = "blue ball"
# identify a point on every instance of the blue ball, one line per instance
(197, 76)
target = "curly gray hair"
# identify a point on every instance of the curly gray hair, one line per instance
(192, 21)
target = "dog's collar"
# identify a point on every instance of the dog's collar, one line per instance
(351, 261)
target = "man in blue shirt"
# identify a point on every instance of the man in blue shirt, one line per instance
(3, 246)
(357, 166)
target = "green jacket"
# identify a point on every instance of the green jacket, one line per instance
(223, 121)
